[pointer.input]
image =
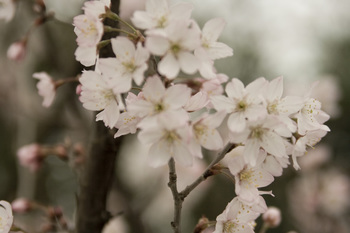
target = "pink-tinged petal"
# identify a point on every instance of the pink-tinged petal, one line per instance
(86, 55)
(177, 96)
(197, 101)
(123, 48)
(251, 151)
(273, 144)
(150, 136)
(275, 89)
(157, 45)
(143, 20)
(212, 29)
(188, 62)
(182, 154)
(169, 66)
(236, 122)
(219, 50)
(235, 89)
(222, 103)
(159, 153)
(109, 115)
(153, 89)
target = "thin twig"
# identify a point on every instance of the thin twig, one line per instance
(179, 197)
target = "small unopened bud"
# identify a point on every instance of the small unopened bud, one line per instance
(78, 90)
(21, 205)
(30, 156)
(17, 50)
(202, 224)
(272, 217)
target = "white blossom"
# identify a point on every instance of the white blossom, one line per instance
(96, 95)
(130, 64)
(6, 217)
(7, 9)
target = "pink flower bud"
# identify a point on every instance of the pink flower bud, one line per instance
(17, 51)
(30, 156)
(78, 89)
(272, 217)
(21, 205)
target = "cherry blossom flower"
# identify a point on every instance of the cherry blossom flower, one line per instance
(237, 217)
(176, 46)
(7, 9)
(243, 104)
(311, 117)
(6, 217)
(46, 88)
(248, 178)
(283, 108)
(158, 100)
(158, 14)
(205, 133)
(89, 30)
(261, 134)
(168, 137)
(97, 95)
(130, 64)
(310, 139)
(127, 122)
(210, 34)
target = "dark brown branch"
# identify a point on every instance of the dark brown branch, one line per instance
(179, 197)
(95, 181)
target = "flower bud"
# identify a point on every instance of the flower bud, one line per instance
(30, 156)
(17, 51)
(21, 205)
(272, 217)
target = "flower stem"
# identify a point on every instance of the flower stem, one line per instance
(179, 197)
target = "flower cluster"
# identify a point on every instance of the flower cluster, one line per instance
(145, 88)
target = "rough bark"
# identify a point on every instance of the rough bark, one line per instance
(96, 176)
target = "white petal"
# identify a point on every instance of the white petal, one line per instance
(153, 89)
(251, 151)
(219, 50)
(123, 48)
(273, 144)
(212, 29)
(177, 96)
(182, 154)
(157, 45)
(235, 89)
(236, 122)
(159, 154)
(169, 66)
(188, 62)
